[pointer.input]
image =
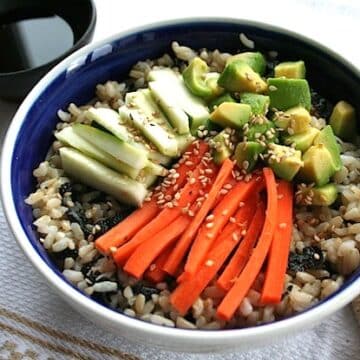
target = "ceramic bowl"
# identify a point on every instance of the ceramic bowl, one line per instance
(74, 80)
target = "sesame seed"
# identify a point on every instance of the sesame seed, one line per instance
(209, 263)
(169, 204)
(208, 171)
(232, 219)
(189, 163)
(210, 217)
(177, 196)
(160, 202)
(113, 249)
(225, 212)
(280, 196)
(223, 192)
(191, 213)
(175, 176)
(152, 267)
(209, 225)
(192, 181)
(209, 235)
(241, 204)
(272, 88)
(168, 197)
(282, 225)
(316, 256)
(243, 233)
(235, 237)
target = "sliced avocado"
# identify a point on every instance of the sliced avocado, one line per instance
(223, 145)
(255, 60)
(176, 89)
(247, 154)
(125, 152)
(69, 137)
(229, 114)
(291, 70)
(302, 140)
(194, 77)
(294, 120)
(343, 121)
(284, 160)
(240, 77)
(324, 195)
(318, 165)
(259, 103)
(219, 100)
(327, 137)
(110, 120)
(261, 129)
(288, 93)
(98, 176)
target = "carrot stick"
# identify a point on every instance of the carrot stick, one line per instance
(185, 241)
(187, 195)
(221, 215)
(280, 246)
(147, 251)
(190, 289)
(126, 229)
(155, 273)
(243, 252)
(236, 294)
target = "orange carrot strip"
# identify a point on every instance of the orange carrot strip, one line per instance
(189, 289)
(155, 273)
(280, 246)
(148, 250)
(186, 239)
(236, 294)
(222, 214)
(243, 252)
(187, 195)
(126, 229)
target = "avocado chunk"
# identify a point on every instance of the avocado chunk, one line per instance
(303, 140)
(199, 81)
(98, 176)
(261, 130)
(294, 120)
(219, 100)
(229, 114)
(324, 195)
(288, 93)
(291, 70)
(284, 160)
(255, 60)
(343, 121)
(247, 154)
(327, 138)
(240, 77)
(318, 165)
(223, 145)
(259, 103)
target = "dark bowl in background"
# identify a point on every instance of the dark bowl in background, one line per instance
(80, 16)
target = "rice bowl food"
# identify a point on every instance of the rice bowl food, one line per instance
(74, 214)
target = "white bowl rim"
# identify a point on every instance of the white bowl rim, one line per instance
(119, 320)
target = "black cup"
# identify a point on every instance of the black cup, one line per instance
(17, 74)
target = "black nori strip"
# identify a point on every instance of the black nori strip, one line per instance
(311, 258)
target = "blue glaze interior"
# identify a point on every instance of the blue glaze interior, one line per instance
(327, 75)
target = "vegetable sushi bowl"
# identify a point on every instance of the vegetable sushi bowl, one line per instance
(197, 175)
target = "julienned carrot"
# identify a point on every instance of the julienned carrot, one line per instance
(189, 290)
(280, 246)
(243, 252)
(147, 251)
(155, 273)
(126, 229)
(185, 241)
(187, 195)
(220, 216)
(236, 294)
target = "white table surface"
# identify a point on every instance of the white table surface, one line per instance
(332, 22)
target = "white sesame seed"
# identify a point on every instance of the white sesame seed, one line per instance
(210, 217)
(232, 219)
(235, 237)
(241, 204)
(243, 233)
(209, 263)
(225, 212)
(209, 225)
(189, 163)
(191, 213)
(282, 225)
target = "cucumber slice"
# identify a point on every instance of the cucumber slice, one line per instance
(146, 178)
(193, 106)
(183, 141)
(129, 154)
(98, 176)
(70, 137)
(155, 169)
(177, 116)
(110, 120)
(165, 142)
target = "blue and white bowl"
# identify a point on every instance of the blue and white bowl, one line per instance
(74, 80)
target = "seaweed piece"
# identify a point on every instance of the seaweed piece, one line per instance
(311, 258)
(270, 66)
(65, 188)
(76, 214)
(147, 291)
(321, 107)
